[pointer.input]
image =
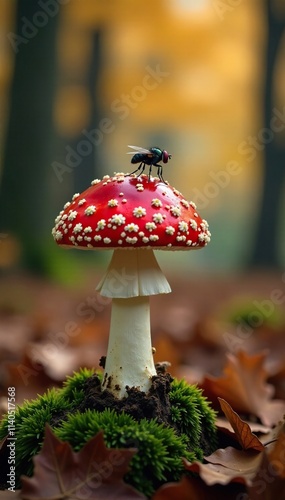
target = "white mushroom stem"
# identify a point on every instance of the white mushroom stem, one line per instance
(129, 358)
(131, 277)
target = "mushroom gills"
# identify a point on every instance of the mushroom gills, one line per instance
(133, 273)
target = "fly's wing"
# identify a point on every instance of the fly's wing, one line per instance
(138, 149)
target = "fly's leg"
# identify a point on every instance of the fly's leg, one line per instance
(140, 170)
(159, 172)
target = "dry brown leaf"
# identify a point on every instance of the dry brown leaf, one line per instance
(277, 455)
(245, 437)
(267, 483)
(9, 495)
(193, 488)
(227, 465)
(244, 387)
(93, 472)
(222, 422)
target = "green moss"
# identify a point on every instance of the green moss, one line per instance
(160, 448)
(73, 387)
(30, 420)
(192, 413)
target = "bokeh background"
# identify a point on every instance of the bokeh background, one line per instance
(82, 79)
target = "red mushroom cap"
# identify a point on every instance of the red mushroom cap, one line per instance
(130, 212)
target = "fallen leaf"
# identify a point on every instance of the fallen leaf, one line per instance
(9, 495)
(222, 422)
(269, 482)
(272, 435)
(244, 387)
(227, 465)
(195, 489)
(93, 472)
(245, 437)
(277, 456)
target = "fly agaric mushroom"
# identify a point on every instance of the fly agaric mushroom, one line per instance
(138, 214)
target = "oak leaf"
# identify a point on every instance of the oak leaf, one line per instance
(245, 436)
(269, 481)
(227, 465)
(244, 387)
(93, 472)
(195, 489)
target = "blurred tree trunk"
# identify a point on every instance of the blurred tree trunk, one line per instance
(265, 251)
(24, 197)
(86, 171)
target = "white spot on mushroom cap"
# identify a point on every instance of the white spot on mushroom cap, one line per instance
(150, 226)
(156, 203)
(204, 224)
(183, 226)
(67, 204)
(88, 229)
(95, 181)
(175, 211)
(181, 238)
(170, 230)
(81, 202)
(58, 235)
(72, 215)
(90, 210)
(193, 205)
(139, 211)
(75, 196)
(113, 203)
(158, 218)
(100, 225)
(107, 241)
(145, 239)
(77, 228)
(184, 203)
(154, 237)
(117, 219)
(131, 227)
(97, 237)
(131, 240)
(193, 224)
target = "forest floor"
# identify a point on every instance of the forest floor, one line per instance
(225, 333)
